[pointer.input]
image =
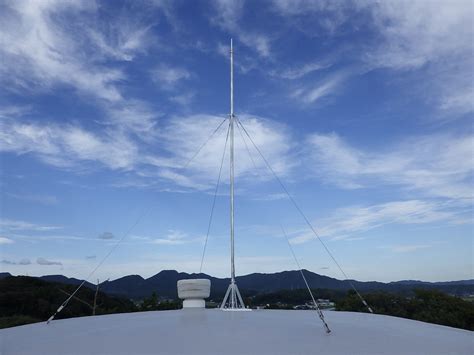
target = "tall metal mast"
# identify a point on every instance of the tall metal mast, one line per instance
(232, 299)
(232, 266)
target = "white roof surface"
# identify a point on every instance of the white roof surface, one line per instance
(200, 331)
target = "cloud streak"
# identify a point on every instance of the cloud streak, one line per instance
(433, 165)
(106, 236)
(46, 262)
(16, 225)
(21, 262)
(309, 94)
(351, 222)
(5, 240)
(227, 16)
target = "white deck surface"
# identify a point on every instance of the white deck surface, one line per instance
(200, 331)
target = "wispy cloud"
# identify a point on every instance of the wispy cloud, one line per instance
(435, 49)
(131, 116)
(410, 41)
(106, 235)
(183, 99)
(5, 240)
(47, 200)
(310, 94)
(73, 147)
(67, 145)
(441, 39)
(173, 238)
(227, 16)
(123, 40)
(21, 262)
(46, 262)
(34, 238)
(43, 49)
(325, 16)
(353, 221)
(433, 165)
(408, 248)
(172, 79)
(15, 225)
(169, 76)
(38, 52)
(301, 70)
(183, 136)
(271, 197)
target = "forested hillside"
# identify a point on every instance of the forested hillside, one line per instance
(28, 299)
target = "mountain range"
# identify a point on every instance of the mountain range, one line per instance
(164, 284)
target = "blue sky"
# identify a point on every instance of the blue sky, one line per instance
(364, 109)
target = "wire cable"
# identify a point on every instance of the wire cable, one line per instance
(64, 304)
(214, 200)
(204, 144)
(140, 217)
(304, 217)
(247, 148)
(316, 305)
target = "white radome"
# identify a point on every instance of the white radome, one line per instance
(193, 292)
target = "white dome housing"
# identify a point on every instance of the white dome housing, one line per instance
(193, 292)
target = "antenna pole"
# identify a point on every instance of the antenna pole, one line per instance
(232, 266)
(232, 299)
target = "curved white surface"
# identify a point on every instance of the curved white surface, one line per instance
(201, 331)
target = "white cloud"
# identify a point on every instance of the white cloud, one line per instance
(132, 116)
(183, 99)
(173, 238)
(5, 240)
(13, 111)
(440, 39)
(21, 262)
(184, 135)
(271, 197)
(47, 44)
(168, 76)
(15, 225)
(311, 93)
(227, 17)
(437, 165)
(47, 200)
(8, 262)
(434, 49)
(260, 42)
(72, 147)
(314, 17)
(35, 238)
(352, 221)
(123, 39)
(106, 235)
(39, 52)
(46, 262)
(301, 70)
(411, 40)
(67, 145)
(409, 248)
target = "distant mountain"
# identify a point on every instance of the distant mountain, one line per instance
(4, 274)
(164, 284)
(65, 280)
